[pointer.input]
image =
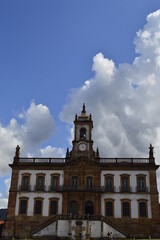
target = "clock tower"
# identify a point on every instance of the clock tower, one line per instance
(83, 143)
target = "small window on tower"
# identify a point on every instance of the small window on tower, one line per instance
(82, 133)
(74, 182)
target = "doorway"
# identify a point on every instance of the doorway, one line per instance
(73, 208)
(89, 208)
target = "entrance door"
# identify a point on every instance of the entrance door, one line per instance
(73, 209)
(89, 208)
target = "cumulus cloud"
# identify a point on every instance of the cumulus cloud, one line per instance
(37, 126)
(4, 196)
(50, 151)
(124, 101)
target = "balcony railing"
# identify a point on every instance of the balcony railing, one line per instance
(65, 188)
(142, 189)
(125, 189)
(108, 189)
(42, 160)
(102, 160)
(124, 160)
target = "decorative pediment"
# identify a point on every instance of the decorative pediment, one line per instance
(82, 161)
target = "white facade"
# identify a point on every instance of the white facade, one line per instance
(45, 195)
(117, 178)
(117, 196)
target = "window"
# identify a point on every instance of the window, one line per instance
(55, 182)
(40, 183)
(25, 183)
(53, 207)
(89, 183)
(125, 183)
(82, 133)
(142, 208)
(126, 208)
(38, 206)
(141, 184)
(109, 208)
(74, 182)
(23, 206)
(109, 184)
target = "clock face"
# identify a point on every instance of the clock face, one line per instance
(82, 147)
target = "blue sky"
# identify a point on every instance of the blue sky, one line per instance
(46, 56)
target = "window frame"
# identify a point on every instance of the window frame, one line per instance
(105, 207)
(19, 210)
(146, 205)
(57, 202)
(22, 180)
(144, 178)
(74, 186)
(90, 186)
(37, 187)
(41, 200)
(51, 184)
(122, 209)
(122, 188)
(109, 189)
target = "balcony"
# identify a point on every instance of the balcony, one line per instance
(124, 161)
(103, 161)
(108, 189)
(125, 189)
(142, 189)
(24, 188)
(68, 188)
(65, 188)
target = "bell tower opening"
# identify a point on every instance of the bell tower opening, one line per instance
(82, 133)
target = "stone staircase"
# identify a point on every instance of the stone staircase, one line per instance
(101, 218)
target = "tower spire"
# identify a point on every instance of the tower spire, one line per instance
(83, 110)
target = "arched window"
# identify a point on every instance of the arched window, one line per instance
(125, 183)
(40, 182)
(38, 206)
(53, 206)
(89, 181)
(82, 133)
(89, 208)
(23, 204)
(54, 182)
(126, 208)
(141, 184)
(142, 208)
(73, 208)
(109, 208)
(74, 182)
(25, 182)
(109, 187)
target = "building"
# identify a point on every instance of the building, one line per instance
(83, 196)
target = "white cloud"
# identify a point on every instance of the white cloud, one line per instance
(37, 126)
(4, 196)
(50, 151)
(124, 101)
(3, 202)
